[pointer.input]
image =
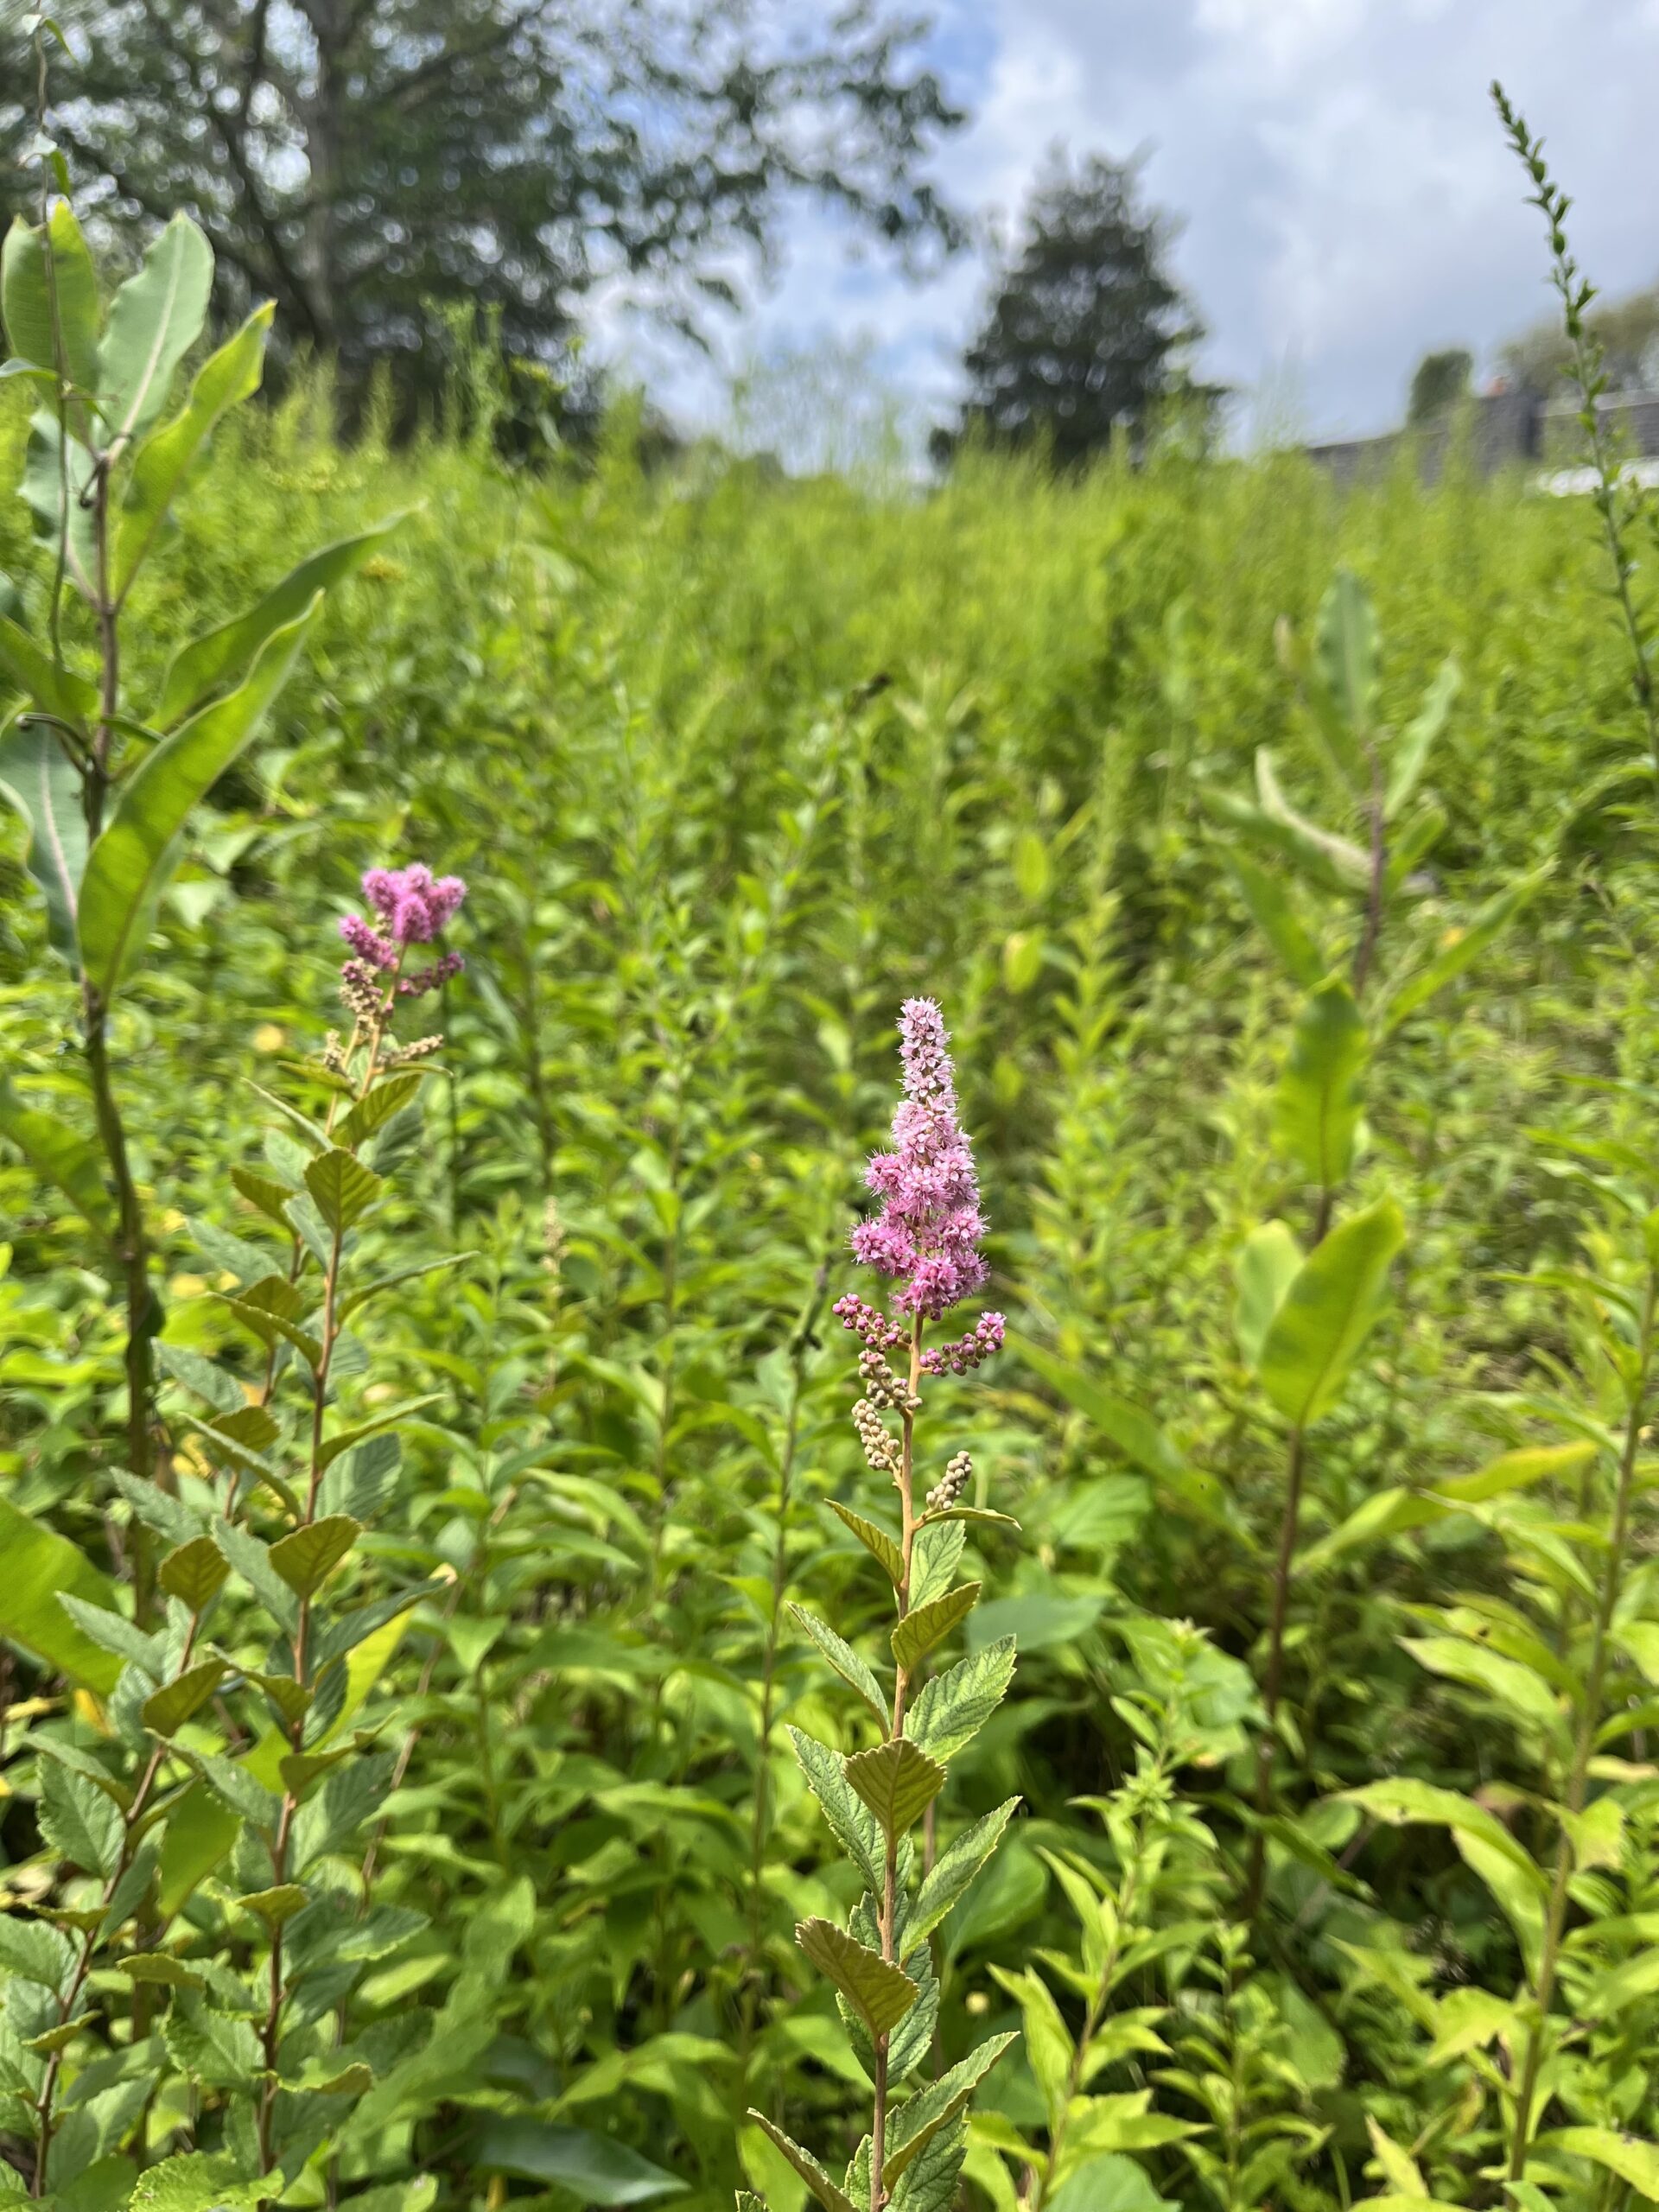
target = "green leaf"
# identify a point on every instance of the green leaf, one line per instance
(27, 295)
(342, 1188)
(593, 2169)
(80, 1821)
(845, 1660)
(917, 2122)
(213, 2048)
(875, 1541)
(877, 1990)
(194, 1573)
(1050, 2051)
(277, 1906)
(955, 1706)
(195, 2181)
(1482, 1840)
(1328, 1311)
(831, 2198)
(1346, 648)
(383, 1104)
(154, 319)
(1490, 923)
(898, 1782)
(60, 1155)
(164, 459)
(929, 1624)
(850, 1822)
(1334, 863)
(346, 1439)
(1635, 2161)
(953, 1872)
(1318, 1105)
(1412, 748)
(308, 1556)
(58, 691)
(1523, 1694)
(34, 1951)
(1274, 915)
(1266, 1266)
(160, 1968)
(44, 785)
(39, 1566)
(167, 1710)
(1134, 1433)
(1514, 1471)
(211, 661)
(129, 864)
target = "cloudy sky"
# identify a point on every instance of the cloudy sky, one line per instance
(1348, 200)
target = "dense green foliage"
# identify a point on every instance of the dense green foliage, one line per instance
(731, 770)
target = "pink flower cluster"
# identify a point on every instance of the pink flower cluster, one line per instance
(969, 1351)
(870, 1323)
(411, 906)
(927, 1233)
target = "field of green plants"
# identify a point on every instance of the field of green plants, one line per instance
(448, 1643)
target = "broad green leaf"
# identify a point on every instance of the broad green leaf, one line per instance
(877, 1990)
(929, 1624)
(80, 1821)
(194, 1572)
(1327, 1312)
(154, 319)
(589, 2168)
(850, 1822)
(342, 1188)
(955, 1706)
(954, 1870)
(1515, 1687)
(1635, 2161)
(308, 1556)
(918, 2121)
(387, 1100)
(1515, 1470)
(1275, 916)
(1318, 1106)
(1628, 1983)
(215, 2049)
(72, 698)
(346, 1439)
(875, 1541)
(40, 1564)
(173, 1704)
(1267, 1265)
(130, 862)
(44, 785)
(1482, 1840)
(159, 1968)
(1347, 656)
(51, 316)
(846, 1661)
(1049, 2050)
(1412, 748)
(277, 1906)
(1389, 1512)
(831, 2198)
(897, 1782)
(164, 459)
(1326, 859)
(194, 2181)
(217, 658)
(36, 1951)
(60, 1155)
(1465, 947)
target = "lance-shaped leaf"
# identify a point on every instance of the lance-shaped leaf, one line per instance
(845, 1660)
(167, 1710)
(72, 698)
(1347, 659)
(370, 1116)
(265, 1193)
(831, 2198)
(1323, 856)
(44, 785)
(875, 1541)
(60, 1155)
(913, 2126)
(926, 1625)
(154, 319)
(1327, 1313)
(210, 662)
(51, 313)
(308, 1556)
(897, 1782)
(291, 1698)
(165, 458)
(1489, 924)
(130, 863)
(1267, 1263)
(1318, 1106)
(1412, 748)
(955, 1706)
(332, 1446)
(194, 1573)
(850, 1820)
(1275, 916)
(1635, 2161)
(879, 1991)
(42, 1568)
(953, 1872)
(342, 1188)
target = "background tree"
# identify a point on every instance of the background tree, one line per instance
(1087, 329)
(357, 160)
(1541, 359)
(1439, 383)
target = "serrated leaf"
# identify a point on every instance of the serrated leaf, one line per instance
(342, 1188)
(875, 1541)
(850, 1820)
(194, 1573)
(929, 1624)
(159, 1966)
(879, 1991)
(171, 1706)
(897, 1782)
(955, 1706)
(913, 2126)
(348, 1438)
(831, 2198)
(308, 1556)
(845, 1660)
(34, 1951)
(276, 1905)
(79, 1820)
(952, 1873)
(388, 1098)
(195, 2181)
(264, 1192)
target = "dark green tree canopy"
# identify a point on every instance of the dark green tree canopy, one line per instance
(1439, 383)
(1088, 330)
(355, 159)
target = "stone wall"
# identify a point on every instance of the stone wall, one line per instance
(1495, 431)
